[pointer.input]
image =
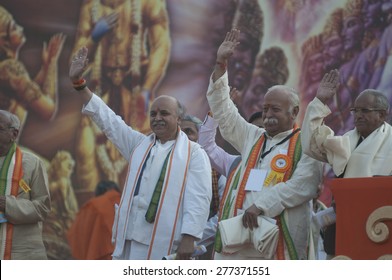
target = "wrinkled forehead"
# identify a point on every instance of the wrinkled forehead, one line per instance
(276, 97)
(4, 118)
(164, 103)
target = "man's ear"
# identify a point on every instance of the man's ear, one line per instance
(295, 111)
(15, 133)
(383, 115)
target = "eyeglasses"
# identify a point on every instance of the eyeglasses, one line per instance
(364, 110)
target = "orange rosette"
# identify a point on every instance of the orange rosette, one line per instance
(279, 165)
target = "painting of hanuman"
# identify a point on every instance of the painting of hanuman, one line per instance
(129, 48)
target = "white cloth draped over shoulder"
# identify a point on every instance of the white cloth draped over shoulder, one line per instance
(186, 191)
(371, 157)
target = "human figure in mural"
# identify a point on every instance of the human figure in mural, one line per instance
(375, 22)
(381, 79)
(332, 54)
(270, 69)
(129, 47)
(19, 93)
(64, 206)
(312, 68)
(249, 19)
(332, 40)
(352, 34)
(292, 20)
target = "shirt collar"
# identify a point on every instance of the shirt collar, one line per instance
(280, 135)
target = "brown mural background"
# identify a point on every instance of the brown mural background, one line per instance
(283, 42)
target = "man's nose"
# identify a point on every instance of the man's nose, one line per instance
(267, 112)
(158, 116)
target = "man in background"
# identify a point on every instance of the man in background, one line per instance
(90, 235)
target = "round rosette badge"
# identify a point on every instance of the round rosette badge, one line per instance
(279, 165)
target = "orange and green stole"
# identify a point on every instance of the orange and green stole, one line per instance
(234, 194)
(10, 175)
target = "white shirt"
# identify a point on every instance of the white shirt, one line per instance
(197, 196)
(292, 196)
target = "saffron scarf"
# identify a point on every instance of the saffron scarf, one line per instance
(10, 176)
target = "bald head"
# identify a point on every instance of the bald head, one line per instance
(9, 129)
(10, 119)
(165, 114)
(370, 111)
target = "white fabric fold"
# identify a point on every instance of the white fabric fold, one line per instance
(259, 242)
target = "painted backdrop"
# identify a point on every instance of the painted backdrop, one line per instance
(169, 47)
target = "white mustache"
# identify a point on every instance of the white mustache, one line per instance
(158, 123)
(270, 121)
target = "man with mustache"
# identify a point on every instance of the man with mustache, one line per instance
(166, 198)
(364, 151)
(274, 178)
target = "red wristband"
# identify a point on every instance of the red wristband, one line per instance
(80, 82)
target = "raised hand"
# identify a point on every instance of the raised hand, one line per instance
(328, 86)
(103, 26)
(52, 50)
(79, 64)
(226, 49)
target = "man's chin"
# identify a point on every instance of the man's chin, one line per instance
(271, 129)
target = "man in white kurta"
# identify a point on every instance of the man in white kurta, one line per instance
(292, 198)
(348, 158)
(364, 151)
(166, 154)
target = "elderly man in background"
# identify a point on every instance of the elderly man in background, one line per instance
(24, 196)
(364, 151)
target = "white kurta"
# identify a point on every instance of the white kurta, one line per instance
(294, 195)
(197, 195)
(371, 157)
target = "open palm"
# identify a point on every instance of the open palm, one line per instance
(226, 49)
(328, 86)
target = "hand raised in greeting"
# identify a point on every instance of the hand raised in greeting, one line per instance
(328, 86)
(79, 64)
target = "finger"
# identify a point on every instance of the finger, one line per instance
(329, 77)
(336, 76)
(255, 224)
(236, 34)
(245, 220)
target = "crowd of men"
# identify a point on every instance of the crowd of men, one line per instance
(183, 191)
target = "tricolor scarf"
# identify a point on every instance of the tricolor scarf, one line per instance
(10, 174)
(234, 194)
(170, 202)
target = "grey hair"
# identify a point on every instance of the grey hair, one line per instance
(180, 109)
(381, 101)
(292, 94)
(14, 121)
(195, 120)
